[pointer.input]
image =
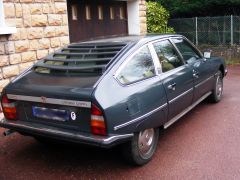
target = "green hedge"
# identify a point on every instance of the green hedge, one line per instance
(157, 17)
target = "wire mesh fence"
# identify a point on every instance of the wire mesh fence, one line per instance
(223, 30)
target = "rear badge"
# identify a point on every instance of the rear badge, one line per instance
(73, 116)
(44, 99)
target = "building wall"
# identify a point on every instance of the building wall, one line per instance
(136, 10)
(42, 27)
(142, 16)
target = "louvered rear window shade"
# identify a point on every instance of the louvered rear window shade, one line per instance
(79, 59)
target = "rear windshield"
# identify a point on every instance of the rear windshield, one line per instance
(79, 59)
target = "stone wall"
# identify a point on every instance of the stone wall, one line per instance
(42, 27)
(143, 18)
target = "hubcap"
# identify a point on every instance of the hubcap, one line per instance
(219, 86)
(145, 141)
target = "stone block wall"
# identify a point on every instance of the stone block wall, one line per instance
(42, 27)
(143, 18)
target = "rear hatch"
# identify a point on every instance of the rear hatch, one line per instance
(57, 91)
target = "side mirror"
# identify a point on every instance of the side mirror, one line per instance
(207, 55)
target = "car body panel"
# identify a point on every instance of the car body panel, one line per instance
(180, 96)
(130, 102)
(203, 80)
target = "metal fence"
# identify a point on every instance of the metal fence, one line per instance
(224, 30)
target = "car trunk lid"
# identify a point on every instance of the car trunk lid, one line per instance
(60, 101)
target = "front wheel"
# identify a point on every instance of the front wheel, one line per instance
(217, 92)
(141, 148)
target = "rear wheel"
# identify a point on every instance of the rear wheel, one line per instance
(217, 92)
(140, 150)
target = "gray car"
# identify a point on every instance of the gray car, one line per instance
(112, 91)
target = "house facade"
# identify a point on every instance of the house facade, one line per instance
(31, 29)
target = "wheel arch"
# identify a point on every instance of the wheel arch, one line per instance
(222, 69)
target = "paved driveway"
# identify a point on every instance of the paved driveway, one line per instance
(204, 144)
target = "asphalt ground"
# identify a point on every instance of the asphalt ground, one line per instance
(204, 144)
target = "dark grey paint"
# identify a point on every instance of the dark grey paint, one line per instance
(137, 106)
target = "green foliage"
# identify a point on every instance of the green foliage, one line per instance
(191, 8)
(157, 17)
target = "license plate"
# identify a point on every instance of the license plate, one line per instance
(47, 113)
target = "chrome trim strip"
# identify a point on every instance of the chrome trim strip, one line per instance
(174, 99)
(136, 82)
(174, 119)
(25, 72)
(202, 82)
(72, 135)
(85, 104)
(116, 137)
(140, 117)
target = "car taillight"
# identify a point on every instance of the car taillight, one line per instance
(98, 126)
(9, 108)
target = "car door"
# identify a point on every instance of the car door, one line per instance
(140, 92)
(201, 68)
(176, 77)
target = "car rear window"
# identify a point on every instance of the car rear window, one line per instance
(79, 59)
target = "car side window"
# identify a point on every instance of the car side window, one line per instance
(139, 67)
(188, 52)
(167, 55)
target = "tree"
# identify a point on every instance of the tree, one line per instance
(191, 8)
(157, 17)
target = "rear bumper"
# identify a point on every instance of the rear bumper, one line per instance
(34, 129)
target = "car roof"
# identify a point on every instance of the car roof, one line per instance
(128, 39)
(92, 55)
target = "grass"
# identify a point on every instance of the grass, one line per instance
(233, 61)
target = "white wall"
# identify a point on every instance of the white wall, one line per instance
(2, 22)
(133, 17)
(3, 28)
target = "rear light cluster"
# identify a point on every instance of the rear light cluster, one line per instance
(98, 126)
(9, 108)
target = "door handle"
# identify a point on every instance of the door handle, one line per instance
(195, 74)
(172, 86)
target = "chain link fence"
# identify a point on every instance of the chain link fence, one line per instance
(224, 30)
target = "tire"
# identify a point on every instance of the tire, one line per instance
(141, 148)
(217, 92)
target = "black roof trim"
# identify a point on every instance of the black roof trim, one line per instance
(76, 60)
(107, 45)
(93, 49)
(83, 54)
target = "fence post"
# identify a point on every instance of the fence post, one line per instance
(196, 27)
(231, 30)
